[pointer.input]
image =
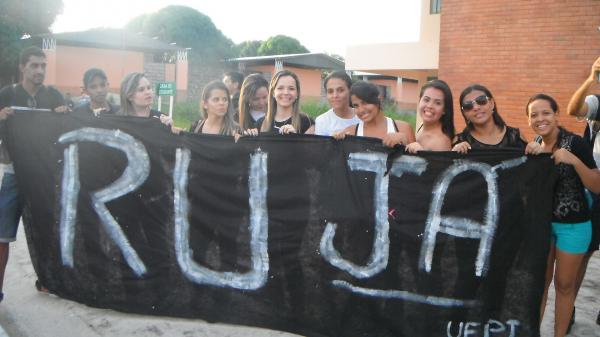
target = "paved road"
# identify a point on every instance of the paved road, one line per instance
(27, 313)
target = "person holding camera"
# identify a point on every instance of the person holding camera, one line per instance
(583, 104)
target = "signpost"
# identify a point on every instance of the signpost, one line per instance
(166, 89)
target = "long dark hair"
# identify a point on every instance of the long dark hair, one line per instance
(447, 118)
(495, 115)
(248, 90)
(367, 92)
(547, 98)
(554, 107)
(340, 75)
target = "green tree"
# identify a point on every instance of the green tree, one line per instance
(248, 48)
(137, 24)
(189, 29)
(19, 18)
(337, 57)
(281, 44)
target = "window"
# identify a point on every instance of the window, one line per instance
(435, 6)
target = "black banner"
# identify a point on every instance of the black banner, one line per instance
(297, 233)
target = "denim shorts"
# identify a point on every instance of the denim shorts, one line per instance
(572, 238)
(11, 208)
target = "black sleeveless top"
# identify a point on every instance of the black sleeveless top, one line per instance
(512, 138)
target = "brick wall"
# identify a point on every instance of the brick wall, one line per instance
(200, 74)
(518, 48)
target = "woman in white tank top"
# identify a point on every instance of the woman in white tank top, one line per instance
(373, 123)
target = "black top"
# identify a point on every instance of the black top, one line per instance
(45, 98)
(155, 113)
(15, 95)
(570, 203)
(305, 124)
(512, 138)
(86, 109)
(235, 101)
(201, 123)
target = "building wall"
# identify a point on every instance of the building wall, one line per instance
(406, 95)
(72, 62)
(310, 82)
(200, 74)
(310, 79)
(268, 71)
(391, 87)
(408, 92)
(155, 72)
(518, 48)
(415, 56)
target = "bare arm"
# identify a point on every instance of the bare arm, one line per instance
(407, 129)
(577, 106)
(342, 134)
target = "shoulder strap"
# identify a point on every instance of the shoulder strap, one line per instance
(200, 126)
(395, 125)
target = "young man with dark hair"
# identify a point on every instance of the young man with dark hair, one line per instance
(95, 85)
(29, 93)
(233, 81)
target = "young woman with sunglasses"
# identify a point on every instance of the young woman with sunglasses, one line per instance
(373, 123)
(485, 128)
(437, 113)
(571, 226)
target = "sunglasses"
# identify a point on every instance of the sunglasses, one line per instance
(480, 100)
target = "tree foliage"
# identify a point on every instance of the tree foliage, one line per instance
(19, 18)
(248, 48)
(281, 44)
(189, 29)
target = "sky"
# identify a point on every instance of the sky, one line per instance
(320, 25)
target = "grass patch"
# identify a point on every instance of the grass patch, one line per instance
(313, 108)
(186, 112)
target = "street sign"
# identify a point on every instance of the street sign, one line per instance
(165, 89)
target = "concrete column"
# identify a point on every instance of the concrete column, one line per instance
(181, 75)
(49, 48)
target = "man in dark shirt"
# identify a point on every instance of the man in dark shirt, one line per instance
(29, 93)
(233, 81)
(95, 85)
